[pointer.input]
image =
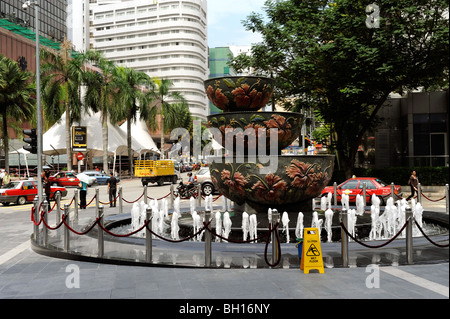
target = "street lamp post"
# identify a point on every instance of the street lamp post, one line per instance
(26, 5)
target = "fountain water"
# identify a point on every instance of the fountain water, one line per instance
(285, 222)
(299, 226)
(253, 227)
(245, 225)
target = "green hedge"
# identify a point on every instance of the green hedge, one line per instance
(428, 176)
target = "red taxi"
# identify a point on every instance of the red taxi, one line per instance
(354, 186)
(64, 179)
(22, 192)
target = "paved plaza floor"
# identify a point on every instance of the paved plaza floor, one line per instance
(25, 274)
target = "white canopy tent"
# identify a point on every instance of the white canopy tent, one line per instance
(140, 134)
(25, 153)
(54, 140)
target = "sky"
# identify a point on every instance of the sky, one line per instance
(224, 22)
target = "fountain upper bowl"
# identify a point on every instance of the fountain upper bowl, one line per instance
(239, 93)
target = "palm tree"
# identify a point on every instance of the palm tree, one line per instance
(61, 82)
(17, 94)
(170, 104)
(134, 98)
(101, 87)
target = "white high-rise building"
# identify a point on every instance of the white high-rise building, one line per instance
(163, 38)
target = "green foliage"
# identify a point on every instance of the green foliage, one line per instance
(16, 98)
(323, 54)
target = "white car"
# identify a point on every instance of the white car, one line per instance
(203, 177)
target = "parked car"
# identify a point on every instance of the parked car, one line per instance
(67, 179)
(101, 178)
(22, 192)
(354, 186)
(203, 177)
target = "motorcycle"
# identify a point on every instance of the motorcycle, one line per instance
(186, 191)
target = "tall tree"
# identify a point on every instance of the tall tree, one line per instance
(61, 83)
(168, 104)
(134, 99)
(17, 98)
(344, 57)
(101, 87)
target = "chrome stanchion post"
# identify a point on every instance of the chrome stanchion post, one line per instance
(335, 194)
(58, 208)
(44, 228)
(66, 229)
(101, 242)
(148, 235)
(36, 218)
(97, 201)
(344, 238)
(199, 195)
(392, 191)
(409, 235)
(172, 197)
(364, 193)
(447, 198)
(419, 193)
(120, 200)
(145, 194)
(76, 204)
(208, 247)
(275, 220)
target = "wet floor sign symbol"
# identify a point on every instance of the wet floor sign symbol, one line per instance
(312, 254)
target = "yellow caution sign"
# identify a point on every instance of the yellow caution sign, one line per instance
(312, 253)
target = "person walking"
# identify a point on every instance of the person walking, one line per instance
(2, 173)
(83, 192)
(413, 183)
(46, 183)
(6, 178)
(112, 189)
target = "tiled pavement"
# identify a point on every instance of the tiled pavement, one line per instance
(24, 274)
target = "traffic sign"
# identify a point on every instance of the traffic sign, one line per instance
(80, 156)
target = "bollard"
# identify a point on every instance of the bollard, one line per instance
(409, 235)
(58, 208)
(97, 201)
(447, 198)
(66, 229)
(344, 238)
(199, 196)
(208, 247)
(419, 193)
(76, 204)
(120, 200)
(364, 193)
(392, 191)
(100, 240)
(44, 228)
(172, 197)
(148, 235)
(36, 218)
(145, 194)
(335, 194)
(275, 220)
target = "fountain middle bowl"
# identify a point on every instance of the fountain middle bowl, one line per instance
(282, 182)
(246, 128)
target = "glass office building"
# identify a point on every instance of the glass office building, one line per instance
(52, 17)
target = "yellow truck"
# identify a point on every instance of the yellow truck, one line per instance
(156, 172)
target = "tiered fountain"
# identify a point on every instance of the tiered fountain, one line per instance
(253, 141)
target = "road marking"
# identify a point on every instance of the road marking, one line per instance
(416, 280)
(14, 252)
